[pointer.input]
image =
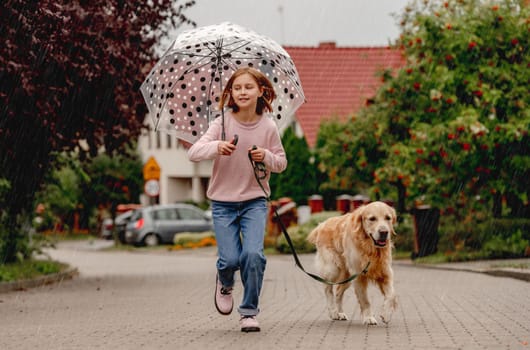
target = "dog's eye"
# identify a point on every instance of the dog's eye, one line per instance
(372, 218)
(388, 218)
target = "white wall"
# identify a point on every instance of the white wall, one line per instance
(180, 179)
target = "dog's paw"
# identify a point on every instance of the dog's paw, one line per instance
(386, 317)
(389, 306)
(340, 316)
(370, 320)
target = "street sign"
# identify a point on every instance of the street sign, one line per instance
(151, 170)
(152, 188)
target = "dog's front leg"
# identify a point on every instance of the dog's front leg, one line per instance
(361, 286)
(390, 302)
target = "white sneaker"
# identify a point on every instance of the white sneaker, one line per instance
(249, 324)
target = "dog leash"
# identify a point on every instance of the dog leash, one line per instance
(260, 172)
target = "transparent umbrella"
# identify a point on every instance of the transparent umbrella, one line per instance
(183, 89)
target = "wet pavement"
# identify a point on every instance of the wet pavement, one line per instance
(164, 300)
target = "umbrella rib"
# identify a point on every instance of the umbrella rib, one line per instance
(175, 85)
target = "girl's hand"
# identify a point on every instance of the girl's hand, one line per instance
(225, 148)
(257, 154)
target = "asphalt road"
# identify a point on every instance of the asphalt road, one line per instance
(164, 300)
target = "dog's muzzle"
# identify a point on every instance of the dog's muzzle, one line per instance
(381, 238)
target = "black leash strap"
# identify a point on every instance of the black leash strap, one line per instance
(260, 173)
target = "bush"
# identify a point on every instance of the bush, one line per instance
(193, 240)
(404, 238)
(299, 234)
(486, 238)
(500, 248)
(505, 228)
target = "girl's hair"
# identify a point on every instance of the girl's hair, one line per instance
(264, 102)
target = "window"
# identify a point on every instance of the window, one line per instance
(190, 214)
(165, 214)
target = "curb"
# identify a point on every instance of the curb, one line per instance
(507, 272)
(39, 281)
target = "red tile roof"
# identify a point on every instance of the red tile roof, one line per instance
(337, 81)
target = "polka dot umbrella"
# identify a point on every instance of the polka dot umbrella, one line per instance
(183, 89)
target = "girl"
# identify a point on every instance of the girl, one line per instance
(239, 206)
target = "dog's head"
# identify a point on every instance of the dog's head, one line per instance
(377, 221)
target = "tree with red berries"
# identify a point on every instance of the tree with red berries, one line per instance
(451, 128)
(70, 73)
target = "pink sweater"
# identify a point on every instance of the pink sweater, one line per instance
(232, 176)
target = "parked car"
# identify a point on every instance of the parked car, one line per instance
(158, 224)
(121, 221)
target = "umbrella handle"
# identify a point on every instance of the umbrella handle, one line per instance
(220, 72)
(223, 134)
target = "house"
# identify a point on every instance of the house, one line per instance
(337, 82)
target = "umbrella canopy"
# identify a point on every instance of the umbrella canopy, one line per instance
(183, 89)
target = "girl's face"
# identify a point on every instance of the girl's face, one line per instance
(245, 92)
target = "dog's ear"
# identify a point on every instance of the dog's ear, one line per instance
(394, 219)
(357, 219)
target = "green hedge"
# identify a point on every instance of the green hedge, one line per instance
(492, 238)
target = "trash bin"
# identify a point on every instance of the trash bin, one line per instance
(388, 201)
(358, 200)
(316, 203)
(343, 203)
(426, 220)
(286, 209)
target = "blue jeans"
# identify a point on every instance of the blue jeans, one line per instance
(239, 232)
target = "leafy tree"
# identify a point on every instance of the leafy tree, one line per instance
(451, 128)
(70, 71)
(298, 180)
(100, 182)
(347, 157)
(114, 179)
(61, 193)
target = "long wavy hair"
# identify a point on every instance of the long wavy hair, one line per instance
(264, 101)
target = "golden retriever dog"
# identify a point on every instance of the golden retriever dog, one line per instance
(345, 245)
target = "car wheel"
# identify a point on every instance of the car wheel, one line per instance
(151, 240)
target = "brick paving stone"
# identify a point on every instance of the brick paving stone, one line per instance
(164, 300)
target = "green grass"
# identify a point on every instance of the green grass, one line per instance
(70, 237)
(29, 269)
(401, 255)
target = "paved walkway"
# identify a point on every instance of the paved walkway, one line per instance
(164, 300)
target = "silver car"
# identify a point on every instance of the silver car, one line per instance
(158, 224)
(121, 220)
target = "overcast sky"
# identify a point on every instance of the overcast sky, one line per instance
(307, 22)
